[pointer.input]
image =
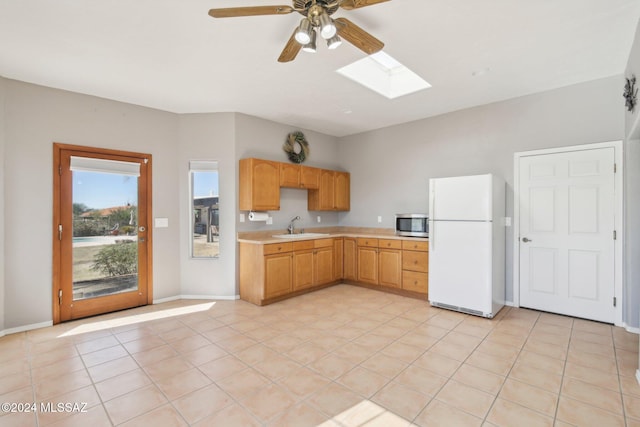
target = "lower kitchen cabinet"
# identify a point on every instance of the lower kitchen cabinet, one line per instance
(277, 275)
(390, 263)
(349, 259)
(415, 266)
(303, 266)
(275, 271)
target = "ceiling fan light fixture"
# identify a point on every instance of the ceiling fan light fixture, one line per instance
(334, 42)
(327, 27)
(311, 46)
(303, 35)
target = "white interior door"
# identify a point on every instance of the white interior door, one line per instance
(567, 221)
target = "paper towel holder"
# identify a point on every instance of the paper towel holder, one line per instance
(258, 216)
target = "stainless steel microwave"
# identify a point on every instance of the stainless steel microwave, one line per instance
(414, 225)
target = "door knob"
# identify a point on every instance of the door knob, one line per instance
(524, 239)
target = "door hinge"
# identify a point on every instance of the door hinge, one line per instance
(60, 297)
(615, 235)
(59, 231)
(615, 302)
(615, 168)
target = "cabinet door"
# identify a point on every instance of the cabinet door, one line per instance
(277, 275)
(289, 175)
(302, 269)
(322, 198)
(349, 257)
(338, 258)
(309, 177)
(323, 265)
(390, 267)
(342, 191)
(259, 185)
(368, 265)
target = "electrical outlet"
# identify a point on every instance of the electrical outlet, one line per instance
(319, 219)
(269, 220)
(507, 221)
(241, 217)
(379, 219)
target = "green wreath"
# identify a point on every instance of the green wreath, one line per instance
(296, 156)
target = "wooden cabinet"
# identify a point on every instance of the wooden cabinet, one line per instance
(390, 263)
(309, 177)
(302, 264)
(415, 266)
(338, 258)
(289, 175)
(323, 263)
(277, 275)
(333, 193)
(350, 256)
(298, 176)
(259, 185)
(342, 191)
(368, 261)
(260, 181)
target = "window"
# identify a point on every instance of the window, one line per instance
(205, 210)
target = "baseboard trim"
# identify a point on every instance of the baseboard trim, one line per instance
(204, 297)
(26, 328)
(631, 329)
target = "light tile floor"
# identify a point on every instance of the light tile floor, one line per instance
(343, 356)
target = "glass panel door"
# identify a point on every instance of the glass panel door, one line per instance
(105, 222)
(102, 245)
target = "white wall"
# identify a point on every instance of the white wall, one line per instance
(208, 137)
(2, 169)
(632, 145)
(390, 168)
(261, 138)
(35, 118)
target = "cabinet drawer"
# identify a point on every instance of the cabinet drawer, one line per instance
(322, 243)
(415, 281)
(372, 243)
(415, 261)
(277, 248)
(415, 245)
(303, 246)
(390, 244)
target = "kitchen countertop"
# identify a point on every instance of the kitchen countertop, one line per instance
(266, 237)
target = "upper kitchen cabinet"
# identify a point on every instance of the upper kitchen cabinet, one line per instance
(259, 185)
(309, 177)
(342, 195)
(298, 176)
(289, 175)
(332, 194)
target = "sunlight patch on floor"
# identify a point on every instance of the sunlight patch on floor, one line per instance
(137, 318)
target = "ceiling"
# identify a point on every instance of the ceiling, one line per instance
(170, 55)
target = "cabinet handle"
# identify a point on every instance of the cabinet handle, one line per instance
(415, 262)
(415, 282)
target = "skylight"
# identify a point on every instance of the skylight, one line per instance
(382, 73)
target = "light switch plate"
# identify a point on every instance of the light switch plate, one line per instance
(161, 222)
(241, 217)
(379, 219)
(507, 221)
(319, 219)
(270, 220)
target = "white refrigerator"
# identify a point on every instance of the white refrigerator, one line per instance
(467, 244)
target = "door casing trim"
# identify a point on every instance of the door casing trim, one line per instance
(56, 258)
(619, 279)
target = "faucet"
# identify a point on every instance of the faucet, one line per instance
(290, 228)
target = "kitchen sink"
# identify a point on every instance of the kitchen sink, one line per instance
(300, 235)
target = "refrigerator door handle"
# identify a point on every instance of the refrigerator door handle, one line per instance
(432, 214)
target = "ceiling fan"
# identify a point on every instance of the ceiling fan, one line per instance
(316, 19)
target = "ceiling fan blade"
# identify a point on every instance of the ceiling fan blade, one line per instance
(357, 36)
(231, 12)
(355, 4)
(291, 49)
